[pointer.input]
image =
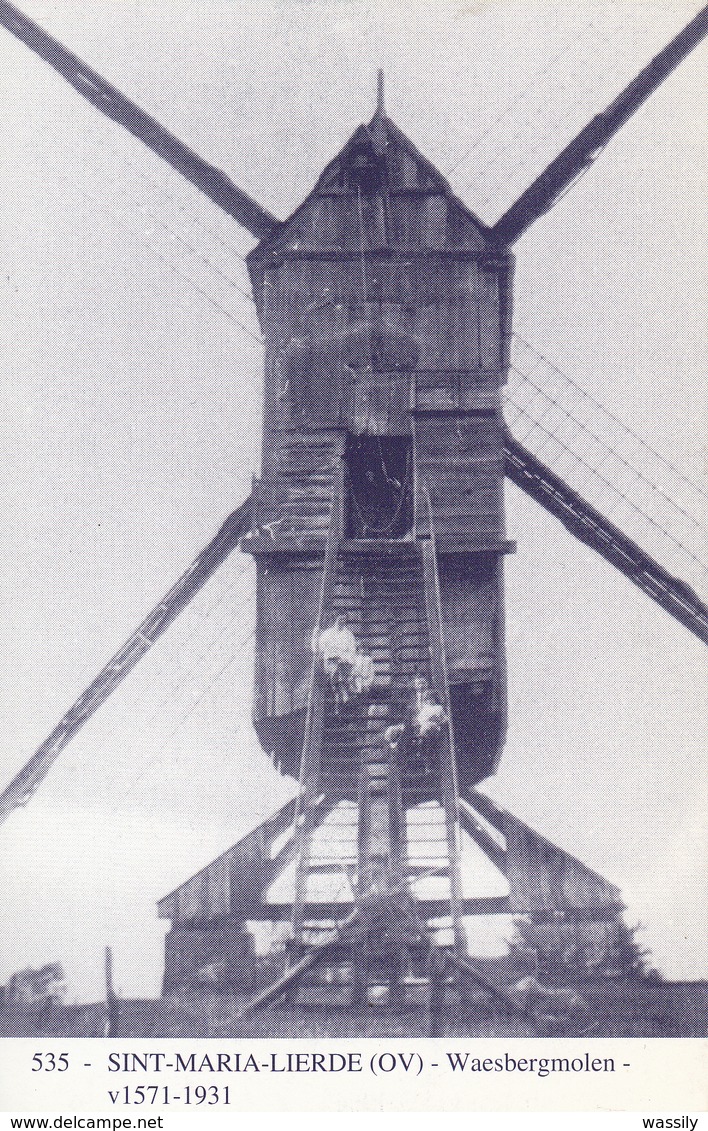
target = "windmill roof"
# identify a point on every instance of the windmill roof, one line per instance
(409, 172)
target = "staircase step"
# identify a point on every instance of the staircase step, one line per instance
(338, 743)
(377, 635)
(374, 579)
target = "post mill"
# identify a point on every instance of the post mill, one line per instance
(386, 311)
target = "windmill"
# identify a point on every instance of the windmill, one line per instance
(397, 401)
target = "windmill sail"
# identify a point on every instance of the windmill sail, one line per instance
(24, 784)
(595, 530)
(106, 98)
(586, 147)
(607, 485)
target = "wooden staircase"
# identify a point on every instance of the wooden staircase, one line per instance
(374, 819)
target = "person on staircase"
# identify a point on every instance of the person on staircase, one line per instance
(348, 669)
(363, 673)
(429, 720)
(417, 738)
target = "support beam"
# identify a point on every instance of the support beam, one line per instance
(545, 881)
(426, 909)
(472, 826)
(497, 991)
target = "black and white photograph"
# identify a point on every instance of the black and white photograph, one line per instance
(354, 520)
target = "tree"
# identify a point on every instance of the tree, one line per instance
(567, 949)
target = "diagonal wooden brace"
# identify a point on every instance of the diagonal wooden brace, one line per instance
(371, 910)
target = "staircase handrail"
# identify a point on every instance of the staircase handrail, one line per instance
(439, 673)
(314, 693)
(312, 739)
(438, 656)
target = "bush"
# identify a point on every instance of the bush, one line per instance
(572, 950)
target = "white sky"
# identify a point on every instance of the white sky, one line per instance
(130, 430)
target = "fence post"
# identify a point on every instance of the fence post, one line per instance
(111, 1027)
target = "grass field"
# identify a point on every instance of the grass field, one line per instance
(614, 1009)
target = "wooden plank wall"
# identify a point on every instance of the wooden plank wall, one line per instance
(294, 496)
(288, 593)
(460, 461)
(450, 304)
(470, 599)
(444, 311)
(232, 881)
(419, 213)
(545, 880)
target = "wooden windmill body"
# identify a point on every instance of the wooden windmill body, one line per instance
(385, 307)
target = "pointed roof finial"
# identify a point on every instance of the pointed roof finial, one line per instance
(378, 126)
(381, 112)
